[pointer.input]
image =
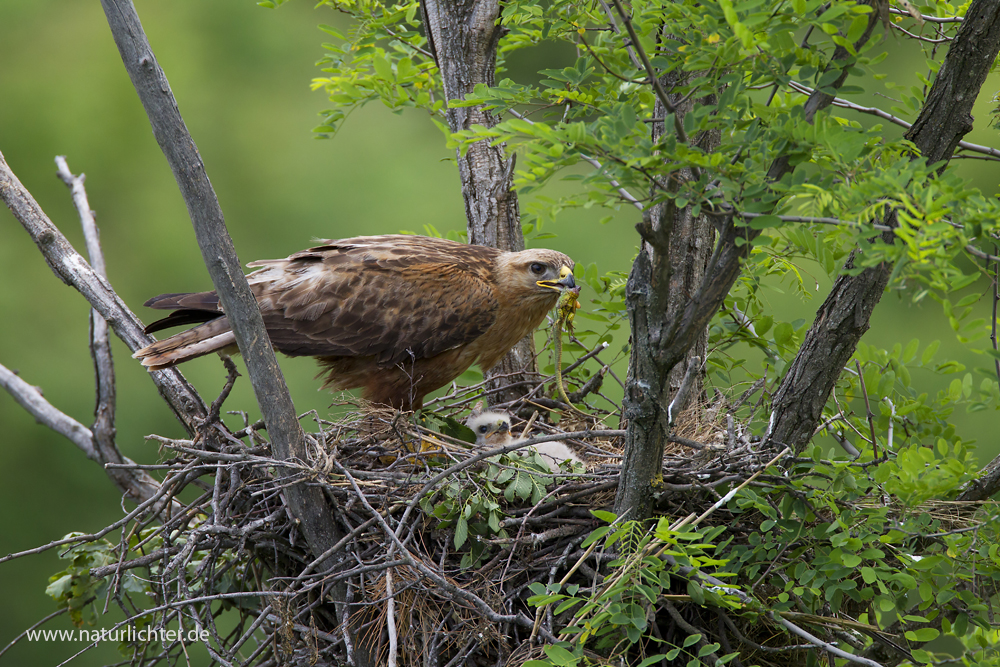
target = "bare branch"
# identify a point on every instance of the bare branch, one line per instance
(287, 438)
(680, 398)
(988, 151)
(816, 641)
(927, 17)
(30, 398)
(142, 507)
(74, 270)
(103, 427)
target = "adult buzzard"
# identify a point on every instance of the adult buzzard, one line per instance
(396, 315)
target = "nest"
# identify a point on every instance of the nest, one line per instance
(441, 543)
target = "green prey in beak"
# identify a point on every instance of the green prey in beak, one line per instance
(565, 280)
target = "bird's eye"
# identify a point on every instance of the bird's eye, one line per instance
(484, 429)
(538, 268)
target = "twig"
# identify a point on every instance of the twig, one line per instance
(445, 585)
(676, 405)
(103, 428)
(766, 649)
(654, 81)
(136, 484)
(625, 194)
(689, 629)
(927, 17)
(885, 115)
(729, 496)
(74, 270)
(390, 616)
(24, 634)
(868, 409)
(142, 507)
(816, 641)
(685, 441)
(30, 398)
(615, 29)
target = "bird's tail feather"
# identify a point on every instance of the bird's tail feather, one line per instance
(201, 340)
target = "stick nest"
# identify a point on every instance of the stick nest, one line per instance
(439, 542)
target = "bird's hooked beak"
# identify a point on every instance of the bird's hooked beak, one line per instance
(565, 280)
(503, 426)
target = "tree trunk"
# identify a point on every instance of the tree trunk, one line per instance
(845, 315)
(464, 37)
(665, 276)
(660, 341)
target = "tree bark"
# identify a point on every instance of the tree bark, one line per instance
(307, 504)
(73, 269)
(659, 288)
(845, 315)
(464, 37)
(661, 340)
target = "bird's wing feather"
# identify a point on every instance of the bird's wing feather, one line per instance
(188, 309)
(395, 298)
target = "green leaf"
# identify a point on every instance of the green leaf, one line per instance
(783, 332)
(706, 649)
(461, 532)
(696, 592)
(604, 515)
(765, 222)
(922, 635)
(560, 656)
(382, 67)
(929, 352)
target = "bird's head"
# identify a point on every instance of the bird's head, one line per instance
(491, 428)
(536, 272)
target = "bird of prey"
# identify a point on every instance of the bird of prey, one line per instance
(397, 315)
(492, 430)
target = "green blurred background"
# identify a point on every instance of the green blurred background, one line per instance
(241, 76)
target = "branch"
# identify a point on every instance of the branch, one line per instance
(30, 398)
(239, 304)
(988, 151)
(176, 508)
(680, 398)
(850, 657)
(845, 315)
(103, 427)
(74, 270)
(654, 80)
(971, 249)
(444, 584)
(625, 194)
(926, 17)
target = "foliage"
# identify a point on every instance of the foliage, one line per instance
(814, 544)
(472, 505)
(869, 539)
(850, 544)
(74, 588)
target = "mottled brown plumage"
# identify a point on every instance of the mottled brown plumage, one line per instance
(397, 315)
